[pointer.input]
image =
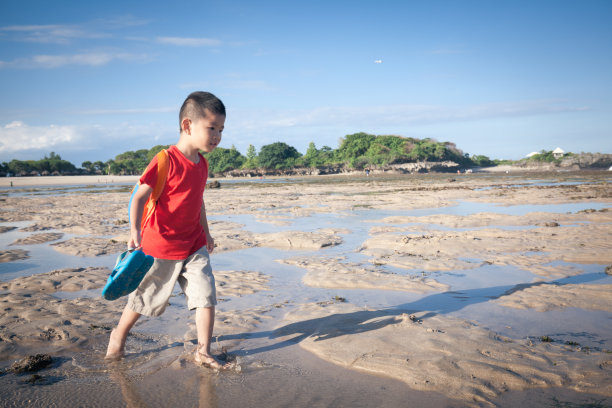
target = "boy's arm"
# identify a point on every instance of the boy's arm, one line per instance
(138, 202)
(210, 242)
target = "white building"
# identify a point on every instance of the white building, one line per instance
(558, 153)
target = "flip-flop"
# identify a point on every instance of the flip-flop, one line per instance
(129, 271)
(209, 361)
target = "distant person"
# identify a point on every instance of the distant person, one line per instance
(367, 172)
(177, 233)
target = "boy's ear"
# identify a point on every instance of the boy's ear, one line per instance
(186, 125)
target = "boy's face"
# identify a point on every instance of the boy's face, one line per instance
(206, 132)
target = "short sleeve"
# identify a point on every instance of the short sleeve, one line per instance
(149, 177)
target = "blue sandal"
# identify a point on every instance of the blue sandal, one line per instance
(129, 271)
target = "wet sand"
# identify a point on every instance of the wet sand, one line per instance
(439, 290)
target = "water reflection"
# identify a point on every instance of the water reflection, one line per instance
(208, 390)
(131, 397)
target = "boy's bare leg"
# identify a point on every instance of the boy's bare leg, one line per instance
(205, 322)
(116, 343)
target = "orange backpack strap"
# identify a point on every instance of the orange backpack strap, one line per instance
(162, 175)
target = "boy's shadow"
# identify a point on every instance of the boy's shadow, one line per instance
(363, 321)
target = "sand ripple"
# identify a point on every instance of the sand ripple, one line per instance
(38, 239)
(443, 354)
(13, 255)
(84, 246)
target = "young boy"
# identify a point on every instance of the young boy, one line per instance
(177, 234)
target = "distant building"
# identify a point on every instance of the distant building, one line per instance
(558, 153)
(531, 154)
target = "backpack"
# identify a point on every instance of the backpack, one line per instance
(162, 175)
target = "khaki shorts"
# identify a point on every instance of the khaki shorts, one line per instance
(194, 275)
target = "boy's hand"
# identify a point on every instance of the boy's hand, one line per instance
(210, 243)
(134, 242)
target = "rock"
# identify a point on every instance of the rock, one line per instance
(214, 184)
(33, 379)
(609, 269)
(548, 224)
(31, 363)
(12, 255)
(4, 229)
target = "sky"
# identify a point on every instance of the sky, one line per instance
(90, 80)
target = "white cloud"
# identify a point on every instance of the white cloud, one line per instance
(92, 59)
(50, 34)
(127, 111)
(189, 42)
(16, 136)
(80, 142)
(400, 116)
(66, 33)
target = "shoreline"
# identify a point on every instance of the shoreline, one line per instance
(62, 181)
(31, 181)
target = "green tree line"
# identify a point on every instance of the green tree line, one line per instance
(52, 164)
(356, 151)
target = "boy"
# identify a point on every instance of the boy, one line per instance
(177, 234)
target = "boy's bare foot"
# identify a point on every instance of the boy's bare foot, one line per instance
(206, 360)
(115, 347)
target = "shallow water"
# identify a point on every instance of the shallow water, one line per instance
(42, 257)
(66, 189)
(276, 372)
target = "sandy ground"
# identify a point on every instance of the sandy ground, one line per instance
(60, 312)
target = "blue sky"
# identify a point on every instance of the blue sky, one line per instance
(89, 80)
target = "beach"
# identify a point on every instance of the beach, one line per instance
(452, 290)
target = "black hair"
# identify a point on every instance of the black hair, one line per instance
(197, 103)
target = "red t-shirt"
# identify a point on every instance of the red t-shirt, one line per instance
(174, 230)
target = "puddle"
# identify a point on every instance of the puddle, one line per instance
(66, 189)
(43, 258)
(464, 208)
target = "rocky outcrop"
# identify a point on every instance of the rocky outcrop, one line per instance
(588, 161)
(582, 161)
(425, 167)
(403, 168)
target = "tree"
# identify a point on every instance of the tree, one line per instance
(154, 150)
(115, 168)
(220, 159)
(278, 155)
(313, 158)
(18, 167)
(311, 154)
(88, 166)
(352, 147)
(251, 158)
(379, 154)
(99, 167)
(107, 166)
(482, 161)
